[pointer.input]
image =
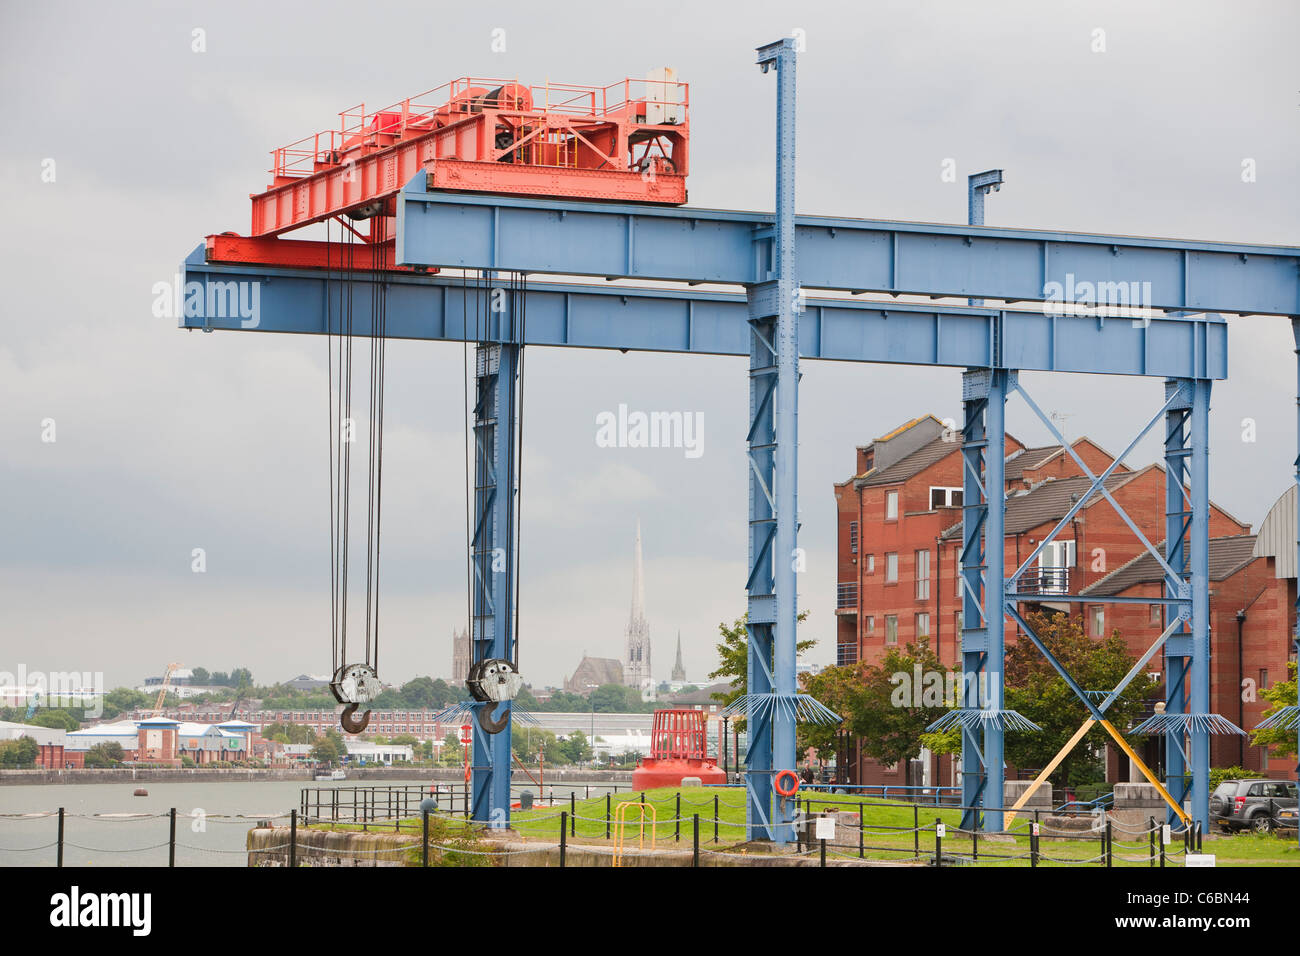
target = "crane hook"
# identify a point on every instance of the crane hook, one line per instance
(493, 726)
(349, 722)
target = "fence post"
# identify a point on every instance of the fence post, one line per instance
(171, 838)
(677, 825)
(1151, 841)
(424, 848)
(573, 813)
(1033, 845)
(607, 803)
(60, 856)
(1199, 836)
(564, 833)
(695, 858)
(293, 838)
(1109, 837)
(1160, 838)
(975, 842)
(938, 843)
(823, 843)
(916, 830)
(715, 818)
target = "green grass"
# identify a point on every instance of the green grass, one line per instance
(888, 832)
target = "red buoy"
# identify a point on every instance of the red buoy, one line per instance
(677, 750)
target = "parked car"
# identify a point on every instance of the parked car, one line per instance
(1251, 803)
(1287, 818)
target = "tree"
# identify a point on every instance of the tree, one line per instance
(59, 719)
(330, 748)
(733, 656)
(575, 748)
(200, 675)
(290, 733)
(108, 754)
(886, 706)
(18, 753)
(1281, 694)
(1037, 691)
(122, 700)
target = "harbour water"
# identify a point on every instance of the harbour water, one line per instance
(105, 825)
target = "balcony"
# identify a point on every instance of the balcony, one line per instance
(846, 598)
(846, 654)
(1046, 580)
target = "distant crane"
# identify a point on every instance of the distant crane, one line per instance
(162, 691)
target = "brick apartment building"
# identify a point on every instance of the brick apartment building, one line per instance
(899, 521)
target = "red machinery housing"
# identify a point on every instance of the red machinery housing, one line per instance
(626, 142)
(678, 749)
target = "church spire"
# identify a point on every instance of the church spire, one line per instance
(636, 672)
(679, 671)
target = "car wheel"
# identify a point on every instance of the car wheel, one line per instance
(1261, 823)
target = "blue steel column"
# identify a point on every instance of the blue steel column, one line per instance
(1199, 553)
(983, 588)
(495, 471)
(1295, 332)
(774, 508)
(973, 636)
(1177, 513)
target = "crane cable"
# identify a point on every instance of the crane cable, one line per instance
(361, 679)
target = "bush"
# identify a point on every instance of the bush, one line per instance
(187, 762)
(1220, 774)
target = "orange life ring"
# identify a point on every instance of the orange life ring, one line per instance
(794, 783)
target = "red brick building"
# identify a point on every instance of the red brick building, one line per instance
(899, 522)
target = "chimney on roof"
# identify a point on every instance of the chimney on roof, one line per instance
(899, 446)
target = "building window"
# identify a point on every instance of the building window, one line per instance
(871, 564)
(891, 568)
(923, 625)
(846, 595)
(871, 624)
(1155, 613)
(945, 498)
(923, 575)
(1098, 621)
(846, 654)
(891, 505)
(1263, 679)
(957, 626)
(891, 628)
(853, 537)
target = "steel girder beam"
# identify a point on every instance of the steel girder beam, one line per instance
(493, 553)
(709, 245)
(714, 323)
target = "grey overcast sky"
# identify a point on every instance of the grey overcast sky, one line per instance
(168, 440)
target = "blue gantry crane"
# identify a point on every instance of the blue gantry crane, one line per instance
(813, 288)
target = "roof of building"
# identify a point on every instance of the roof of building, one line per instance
(1051, 501)
(604, 670)
(120, 728)
(1018, 461)
(911, 465)
(1276, 538)
(1228, 555)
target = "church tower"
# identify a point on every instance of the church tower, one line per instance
(636, 669)
(679, 672)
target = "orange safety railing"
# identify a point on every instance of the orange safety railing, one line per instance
(632, 101)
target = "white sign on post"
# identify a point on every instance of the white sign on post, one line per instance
(1166, 837)
(825, 828)
(1035, 830)
(940, 829)
(1200, 859)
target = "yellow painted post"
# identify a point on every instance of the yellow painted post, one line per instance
(1151, 777)
(1048, 770)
